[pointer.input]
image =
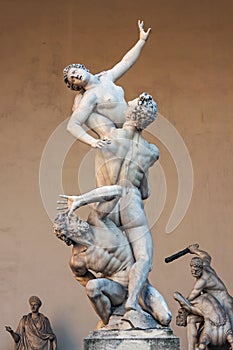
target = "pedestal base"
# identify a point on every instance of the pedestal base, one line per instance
(150, 339)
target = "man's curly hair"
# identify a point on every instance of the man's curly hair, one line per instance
(66, 227)
(196, 261)
(65, 76)
(144, 113)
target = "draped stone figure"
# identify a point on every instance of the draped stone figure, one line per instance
(34, 330)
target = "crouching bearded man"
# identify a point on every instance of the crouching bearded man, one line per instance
(102, 256)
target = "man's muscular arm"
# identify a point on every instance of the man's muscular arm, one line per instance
(194, 249)
(197, 289)
(98, 195)
(145, 186)
(79, 268)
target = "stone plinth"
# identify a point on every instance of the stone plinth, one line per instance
(135, 339)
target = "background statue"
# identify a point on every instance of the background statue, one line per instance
(210, 319)
(34, 330)
(100, 247)
(207, 280)
(209, 299)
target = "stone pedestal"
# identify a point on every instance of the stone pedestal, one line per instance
(135, 339)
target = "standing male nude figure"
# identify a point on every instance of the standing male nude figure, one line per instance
(126, 161)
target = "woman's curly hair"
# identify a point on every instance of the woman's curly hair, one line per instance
(65, 76)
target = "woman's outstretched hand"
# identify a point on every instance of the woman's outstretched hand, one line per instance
(142, 34)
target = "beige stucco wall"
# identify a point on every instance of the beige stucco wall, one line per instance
(187, 66)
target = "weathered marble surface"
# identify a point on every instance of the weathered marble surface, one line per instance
(151, 339)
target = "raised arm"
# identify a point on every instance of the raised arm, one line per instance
(194, 249)
(98, 195)
(132, 55)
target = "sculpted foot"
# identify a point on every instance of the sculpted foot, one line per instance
(129, 305)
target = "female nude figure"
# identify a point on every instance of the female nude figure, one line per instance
(100, 103)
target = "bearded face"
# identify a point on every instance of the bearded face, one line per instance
(181, 318)
(70, 229)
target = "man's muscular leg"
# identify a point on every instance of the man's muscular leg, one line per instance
(138, 233)
(192, 331)
(153, 302)
(142, 246)
(103, 294)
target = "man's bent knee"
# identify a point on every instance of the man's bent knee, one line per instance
(93, 289)
(165, 320)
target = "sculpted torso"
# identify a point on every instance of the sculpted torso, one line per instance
(212, 284)
(110, 100)
(209, 282)
(108, 254)
(108, 105)
(139, 158)
(127, 159)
